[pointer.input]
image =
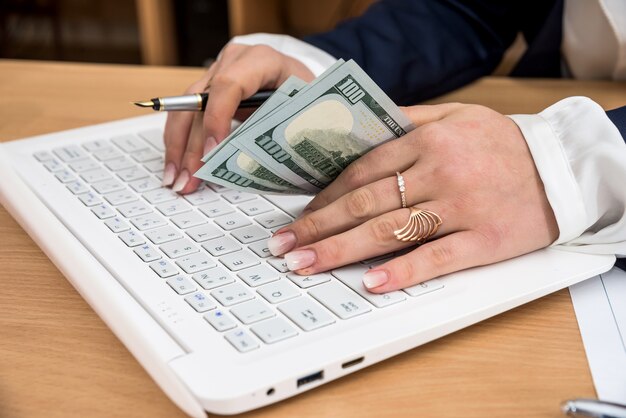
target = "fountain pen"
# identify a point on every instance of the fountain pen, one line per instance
(197, 101)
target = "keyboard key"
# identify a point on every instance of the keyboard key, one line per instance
(129, 143)
(424, 287)
(220, 320)
(106, 154)
(160, 195)
(145, 155)
(232, 221)
(96, 145)
(163, 268)
(42, 156)
(154, 166)
(221, 246)
(260, 248)
(179, 248)
(279, 291)
(181, 285)
(173, 208)
(212, 278)
(239, 260)
(216, 187)
(89, 199)
(306, 313)
(116, 224)
(120, 163)
(204, 232)
(195, 262)
(132, 238)
(133, 209)
(341, 301)
(202, 196)
(103, 211)
(250, 234)
(107, 186)
(258, 275)
(145, 185)
(252, 311)
(241, 340)
(77, 187)
(147, 253)
(93, 176)
(255, 207)
(53, 165)
(188, 219)
(274, 330)
(309, 281)
(153, 137)
(352, 276)
(292, 205)
(279, 264)
(149, 221)
(65, 176)
(69, 153)
(120, 197)
(215, 209)
(162, 235)
(234, 196)
(232, 294)
(84, 165)
(200, 302)
(273, 219)
(132, 174)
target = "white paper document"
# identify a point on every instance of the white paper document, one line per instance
(600, 305)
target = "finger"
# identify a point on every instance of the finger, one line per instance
(370, 239)
(176, 133)
(445, 255)
(423, 114)
(383, 161)
(349, 211)
(192, 159)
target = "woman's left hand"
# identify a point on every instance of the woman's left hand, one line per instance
(468, 164)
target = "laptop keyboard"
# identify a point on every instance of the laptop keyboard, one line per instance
(210, 247)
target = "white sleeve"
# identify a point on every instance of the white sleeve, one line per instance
(315, 59)
(581, 158)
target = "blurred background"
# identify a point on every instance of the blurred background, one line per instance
(154, 32)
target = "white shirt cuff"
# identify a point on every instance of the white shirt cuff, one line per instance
(315, 59)
(581, 158)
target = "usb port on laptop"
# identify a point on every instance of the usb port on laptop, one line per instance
(311, 378)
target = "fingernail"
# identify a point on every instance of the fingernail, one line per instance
(281, 243)
(209, 145)
(300, 259)
(375, 278)
(169, 174)
(181, 181)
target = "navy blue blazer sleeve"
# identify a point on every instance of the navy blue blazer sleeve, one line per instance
(418, 49)
(618, 117)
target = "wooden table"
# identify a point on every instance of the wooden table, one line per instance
(58, 359)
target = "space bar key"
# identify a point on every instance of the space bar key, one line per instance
(342, 302)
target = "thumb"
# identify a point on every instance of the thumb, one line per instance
(423, 114)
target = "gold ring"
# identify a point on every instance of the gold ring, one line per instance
(402, 189)
(422, 225)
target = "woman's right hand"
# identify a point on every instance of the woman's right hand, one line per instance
(239, 72)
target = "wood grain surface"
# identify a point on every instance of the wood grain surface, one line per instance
(58, 359)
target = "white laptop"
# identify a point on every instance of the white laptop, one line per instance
(188, 285)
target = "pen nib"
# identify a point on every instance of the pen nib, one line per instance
(144, 104)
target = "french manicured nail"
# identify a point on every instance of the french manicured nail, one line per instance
(209, 145)
(181, 181)
(375, 278)
(279, 244)
(300, 259)
(169, 174)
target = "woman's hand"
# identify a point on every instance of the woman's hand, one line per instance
(239, 72)
(468, 164)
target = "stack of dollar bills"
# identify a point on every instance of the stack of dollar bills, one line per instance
(304, 135)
